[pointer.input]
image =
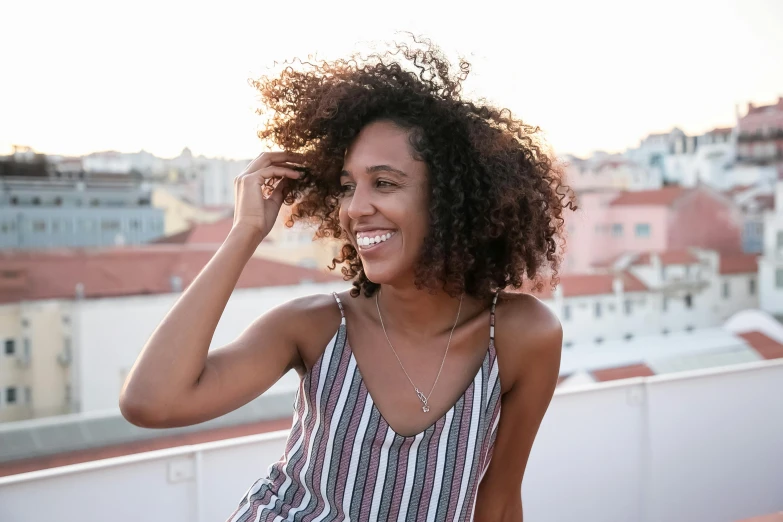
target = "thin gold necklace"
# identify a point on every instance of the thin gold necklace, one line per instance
(423, 398)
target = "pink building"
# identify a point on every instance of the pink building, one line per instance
(611, 223)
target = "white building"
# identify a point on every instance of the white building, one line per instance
(651, 294)
(610, 172)
(771, 262)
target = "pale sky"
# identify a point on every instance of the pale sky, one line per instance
(81, 76)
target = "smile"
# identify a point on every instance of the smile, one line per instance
(369, 240)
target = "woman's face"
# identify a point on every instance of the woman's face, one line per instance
(384, 202)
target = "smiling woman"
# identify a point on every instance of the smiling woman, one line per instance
(426, 408)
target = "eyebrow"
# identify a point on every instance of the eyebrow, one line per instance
(379, 168)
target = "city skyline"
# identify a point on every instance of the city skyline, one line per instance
(163, 77)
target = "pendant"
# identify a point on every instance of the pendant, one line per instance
(423, 399)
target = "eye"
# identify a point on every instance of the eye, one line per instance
(386, 184)
(345, 188)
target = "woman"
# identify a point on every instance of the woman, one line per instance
(422, 388)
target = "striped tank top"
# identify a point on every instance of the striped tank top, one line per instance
(343, 461)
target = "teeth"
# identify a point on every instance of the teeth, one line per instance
(368, 240)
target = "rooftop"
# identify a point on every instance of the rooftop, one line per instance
(580, 285)
(738, 263)
(127, 271)
(660, 197)
(640, 450)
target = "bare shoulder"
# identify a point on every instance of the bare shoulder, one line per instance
(311, 321)
(528, 335)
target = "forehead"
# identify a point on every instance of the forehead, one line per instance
(381, 143)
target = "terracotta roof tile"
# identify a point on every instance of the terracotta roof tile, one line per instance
(575, 285)
(668, 257)
(766, 346)
(141, 446)
(622, 372)
(660, 197)
(125, 271)
(738, 263)
(202, 233)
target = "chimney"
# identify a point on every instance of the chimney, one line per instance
(617, 284)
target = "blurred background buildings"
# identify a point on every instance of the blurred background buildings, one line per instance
(669, 404)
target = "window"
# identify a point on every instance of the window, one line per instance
(752, 286)
(665, 331)
(665, 305)
(568, 344)
(10, 347)
(599, 340)
(566, 313)
(628, 307)
(779, 278)
(688, 301)
(689, 328)
(628, 337)
(725, 289)
(10, 395)
(598, 309)
(617, 229)
(39, 226)
(110, 225)
(780, 239)
(642, 230)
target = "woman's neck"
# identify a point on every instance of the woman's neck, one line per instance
(421, 312)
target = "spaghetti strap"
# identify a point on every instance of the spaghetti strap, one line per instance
(340, 304)
(492, 316)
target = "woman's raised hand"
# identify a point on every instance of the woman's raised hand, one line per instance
(255, 208)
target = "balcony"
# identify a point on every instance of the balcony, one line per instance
(693, 446)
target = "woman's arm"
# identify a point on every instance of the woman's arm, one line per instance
(531, 343)
(174, 381)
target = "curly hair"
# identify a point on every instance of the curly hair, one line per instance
(496, 197)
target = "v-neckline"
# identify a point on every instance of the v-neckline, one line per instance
(363, 385)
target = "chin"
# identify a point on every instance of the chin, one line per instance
(385, 273)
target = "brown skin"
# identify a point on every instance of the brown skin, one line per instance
(176, 381)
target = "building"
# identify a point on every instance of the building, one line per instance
(653, 293)
(771, 262)
(706, 159)
(754, 202)
(760, 141)
(43, 208)
(609, 172)
(72, 322)
(180, 214)
(609, 224)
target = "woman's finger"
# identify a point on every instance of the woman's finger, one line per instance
(265, 159)
(278, 194)
(270, 173)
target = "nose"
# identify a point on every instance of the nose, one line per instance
(360, 203)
